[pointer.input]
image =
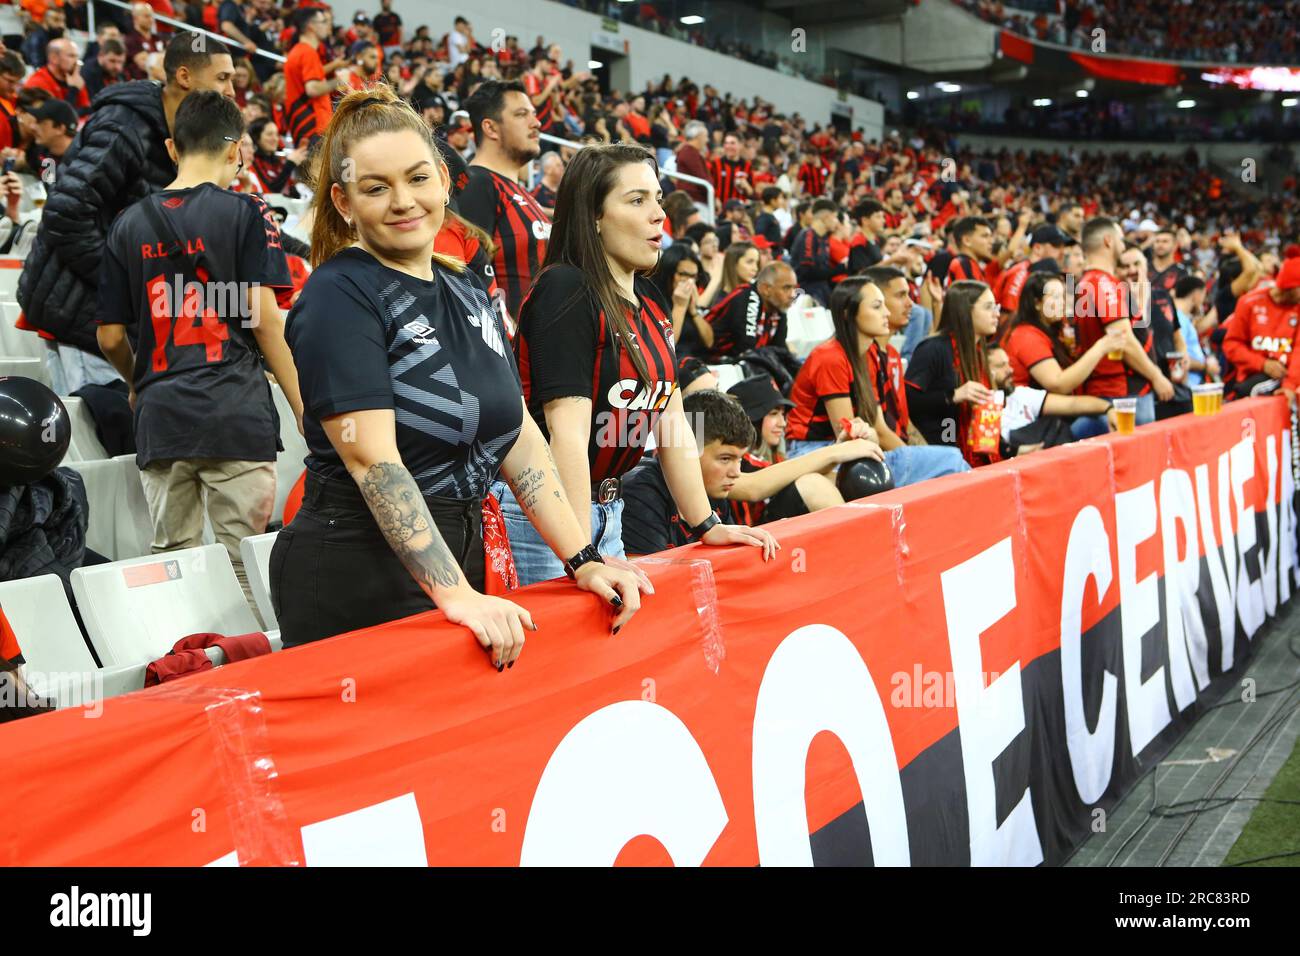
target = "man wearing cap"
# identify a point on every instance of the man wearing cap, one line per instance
(56, 128)
(735, 224)
(458, 135)
(753, 315)
(1047, 246)
(1260, 337)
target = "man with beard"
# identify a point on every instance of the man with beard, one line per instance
(505, 127)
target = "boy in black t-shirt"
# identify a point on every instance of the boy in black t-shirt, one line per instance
(193, 271)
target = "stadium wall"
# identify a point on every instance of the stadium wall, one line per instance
(1226, 155)
(648, 55)
(972, 670)
(935, 36)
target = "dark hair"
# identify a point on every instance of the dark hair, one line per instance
(723, 418)
(966, 225)
(697, 231)
(112, 45)
(845, 302)
(255, 131)
(822, 205)
(205, 122)
(1029, 312)
(881, 276)
(190, 50)
(30, 97)
(487, 102)
(11, 64)
(955, 320)
(665, 274)
(678, 206)
(866, 209)
(770, 194)
(1187, 285)
(303, 16)
(575, 242)
(1093, 230)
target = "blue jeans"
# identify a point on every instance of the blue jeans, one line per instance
(909, 464)
(534, 559)
(1088, 426)
(1146, 408)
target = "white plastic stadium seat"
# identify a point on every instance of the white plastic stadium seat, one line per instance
(25, 368)
(256, 553)
(37, 610)
(289, 463)
(119, 516)
(16, 342)
(136, 610)
(809, 325)
(85, 444)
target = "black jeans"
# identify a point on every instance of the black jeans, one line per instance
(333, 572)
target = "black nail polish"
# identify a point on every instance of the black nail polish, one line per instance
(511, 664)
(500, 668)
(616, 601)
(616, 630)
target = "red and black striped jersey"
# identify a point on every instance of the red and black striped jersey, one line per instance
(750, 512)
(889, 387)
(727, 173)
(565, 349)
(963, 267)
(813, 178)
(508, 213)
(546, 112)
(742, 321)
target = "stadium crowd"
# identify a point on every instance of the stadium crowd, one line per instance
(1242, 31)
(976, 306)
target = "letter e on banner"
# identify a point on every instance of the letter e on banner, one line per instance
(816, 680)
(1139, 611)
(976, 595)
(629, 769)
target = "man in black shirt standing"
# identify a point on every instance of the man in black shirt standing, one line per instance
(194, 269)
(506, 131)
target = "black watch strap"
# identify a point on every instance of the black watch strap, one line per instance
(700, 530)
(586, 556)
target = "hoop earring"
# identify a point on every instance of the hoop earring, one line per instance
(446, 200)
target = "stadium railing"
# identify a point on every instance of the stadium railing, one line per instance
(182, 25)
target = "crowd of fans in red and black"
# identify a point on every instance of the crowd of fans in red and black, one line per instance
(1241, 31)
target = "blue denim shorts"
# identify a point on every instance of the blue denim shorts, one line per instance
(534, 559)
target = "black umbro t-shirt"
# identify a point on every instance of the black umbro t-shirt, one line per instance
(365, 336)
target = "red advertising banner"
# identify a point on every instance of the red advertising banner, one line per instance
(962, 672)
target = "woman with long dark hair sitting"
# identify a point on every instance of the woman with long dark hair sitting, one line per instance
(834, 388)
(1039, 357)
(678, 277)
(949, 374)
(412, 407)
(597, 362)
(275, 172)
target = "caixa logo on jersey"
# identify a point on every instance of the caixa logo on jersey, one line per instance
(630, 394)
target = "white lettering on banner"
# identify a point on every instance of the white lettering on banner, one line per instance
(1220, 555)
(1269, 558)
(977, 594)
(628, 393)
(1250, 598)
(1184, 629)
(1092, 753)
(1139, 612)
(816, 680)
(628, 769)
(383, 834)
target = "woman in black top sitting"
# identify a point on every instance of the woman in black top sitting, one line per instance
(678, 278)
(596, 358)
(948, 377)
(412, 406)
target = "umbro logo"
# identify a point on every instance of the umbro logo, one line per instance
(420, 332)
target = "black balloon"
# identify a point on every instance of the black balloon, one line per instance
(34, 431)
(866, 476)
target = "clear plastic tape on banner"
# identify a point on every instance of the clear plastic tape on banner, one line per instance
(898, 529)
(259, 824)
(704, 594)
(1021, 554)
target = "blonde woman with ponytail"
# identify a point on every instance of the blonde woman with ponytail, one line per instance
(412, 408)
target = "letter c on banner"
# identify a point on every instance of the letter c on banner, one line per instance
(1092, 754)
(816, 680)
(629, 769)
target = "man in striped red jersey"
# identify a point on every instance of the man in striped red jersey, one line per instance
(541, 83)
(813, 174)
(506, 131)
(973, 237)
(732, 175)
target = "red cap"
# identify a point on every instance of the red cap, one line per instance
(1288, 277)
(762, 242)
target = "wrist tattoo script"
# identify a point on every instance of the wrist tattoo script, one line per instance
(404, 519)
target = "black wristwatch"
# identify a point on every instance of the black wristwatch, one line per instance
(586, 556)
(700, 530)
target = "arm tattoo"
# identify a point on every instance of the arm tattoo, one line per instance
(527, 486)
(403, 517)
